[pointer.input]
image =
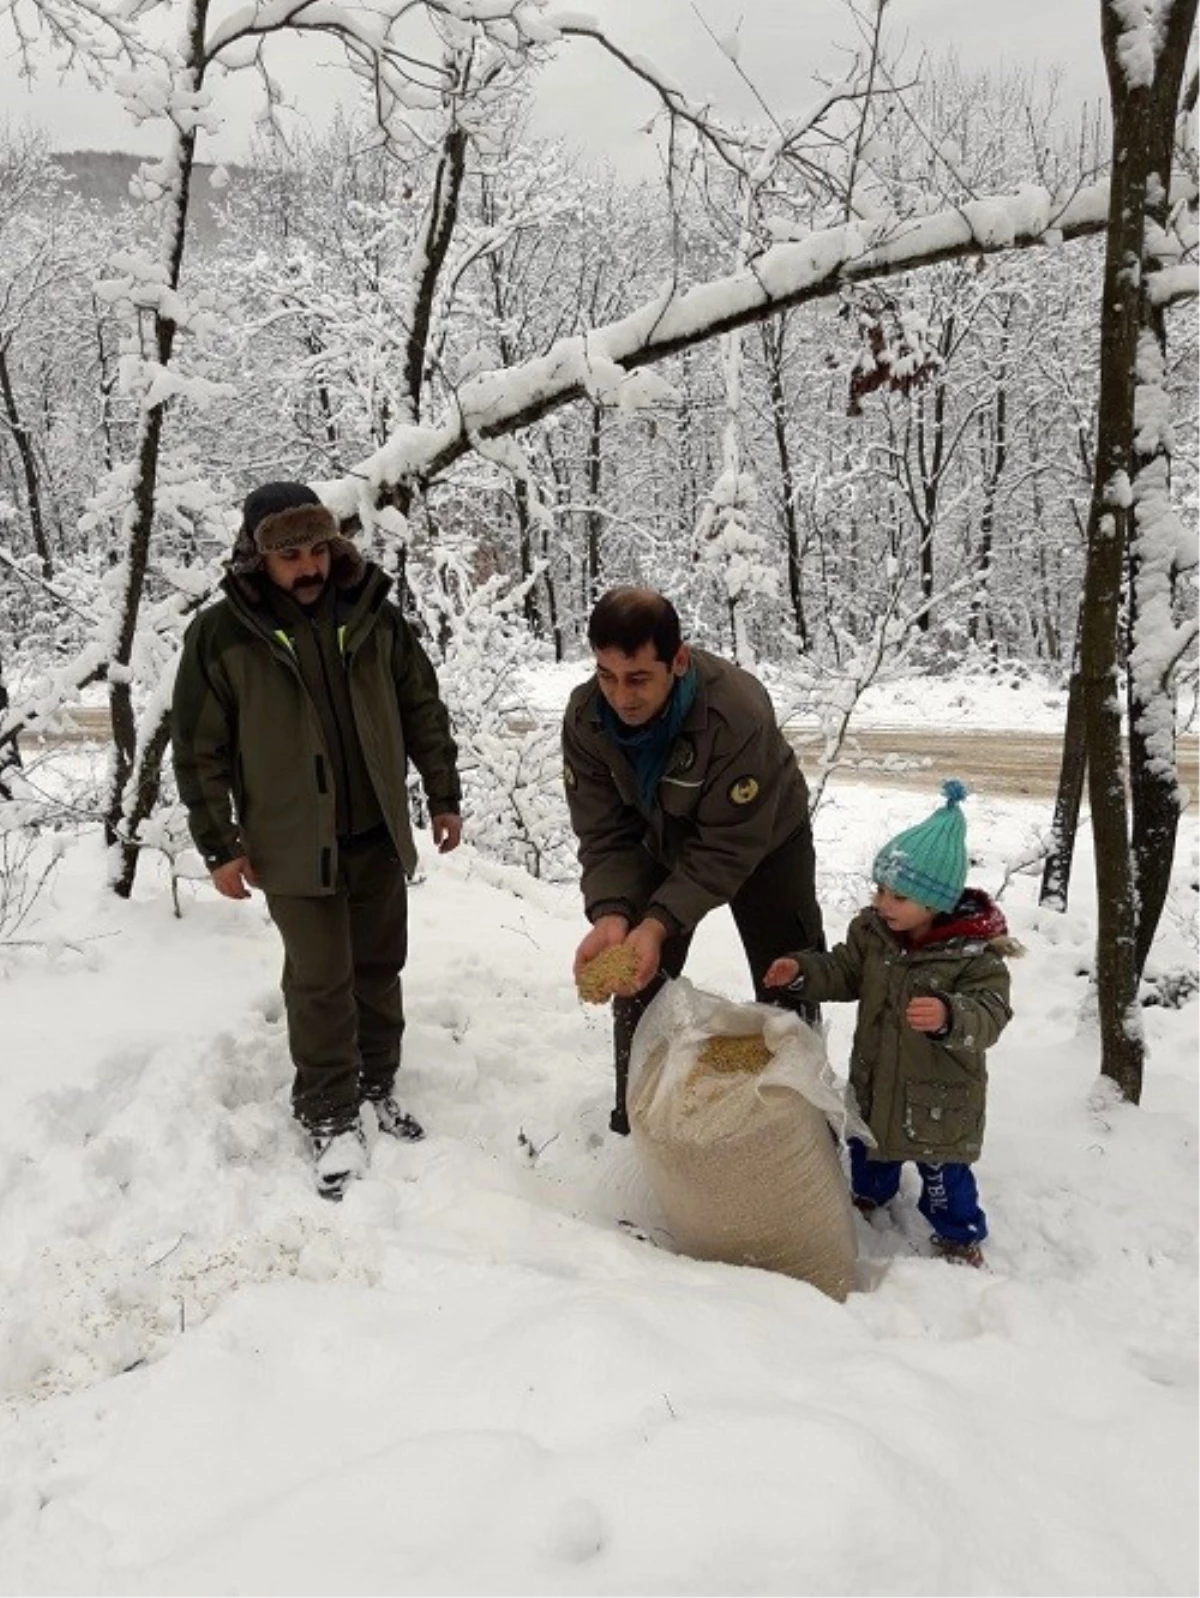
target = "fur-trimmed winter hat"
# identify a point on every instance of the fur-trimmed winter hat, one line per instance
(290, 516)
(928, 863)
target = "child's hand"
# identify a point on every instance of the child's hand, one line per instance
(927, 1014)
(781, 973)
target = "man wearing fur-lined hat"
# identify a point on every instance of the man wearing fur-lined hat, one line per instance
(302, 695)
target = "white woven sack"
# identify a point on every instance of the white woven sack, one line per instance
(743, 1164)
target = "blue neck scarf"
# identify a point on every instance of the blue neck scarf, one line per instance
(649, 747)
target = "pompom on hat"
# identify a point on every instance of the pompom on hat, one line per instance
(290, 516)
(928, 863)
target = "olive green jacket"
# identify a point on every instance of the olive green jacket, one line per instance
(731, 793)
(923, 1096)
(251, 759)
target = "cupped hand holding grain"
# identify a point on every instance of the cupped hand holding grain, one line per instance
(605, 932)
(646, 940)
(611, 971)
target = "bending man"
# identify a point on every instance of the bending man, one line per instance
(684, 795)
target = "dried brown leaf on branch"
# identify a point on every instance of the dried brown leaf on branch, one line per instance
(897, 352)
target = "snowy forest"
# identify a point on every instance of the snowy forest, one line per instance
(906, 384)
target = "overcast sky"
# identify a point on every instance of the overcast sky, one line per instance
(583, 96)
(782, 44)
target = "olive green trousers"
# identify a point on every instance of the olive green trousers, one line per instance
(343, 954)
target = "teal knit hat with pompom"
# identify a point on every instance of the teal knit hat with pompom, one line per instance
(928, 863)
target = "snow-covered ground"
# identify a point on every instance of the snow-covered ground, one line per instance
(470, 1377)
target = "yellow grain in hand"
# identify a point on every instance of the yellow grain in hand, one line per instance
(612, 968)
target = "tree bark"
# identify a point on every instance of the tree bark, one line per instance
(931, 455)
(772, 344)
(1155, 797)
(24, 447)
(994, 458)
(1137, 109)
(1056, 873)
(10, 749)
(525, 556)
(594, 520)
(139, 521)
(443, 215)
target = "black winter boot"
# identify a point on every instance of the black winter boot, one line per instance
(396, 1122)
(340, 1153)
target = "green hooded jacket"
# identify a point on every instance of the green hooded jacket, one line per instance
(924, 1097)
(251, 759)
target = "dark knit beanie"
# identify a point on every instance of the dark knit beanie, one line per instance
(928, 863)
(290, 516)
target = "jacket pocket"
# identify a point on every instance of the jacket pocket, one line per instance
(940, 1114)
(679, 798)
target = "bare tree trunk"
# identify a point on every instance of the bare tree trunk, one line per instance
(1155, 796)
(1155, 802)
(24, 446)
(316, 348)
(1056, 874)
(139, 520)
(1138, 109)
(1044, 617)
(772, 343)
(931, 457)
(593, 562)
(521, 495)
(140, 523)
(108, 385)
(562, 498)
(553, 620)
(142, 790)
(995, 459)
(533, 619)
(1121, 1044)
(443, 215)
(10, 750)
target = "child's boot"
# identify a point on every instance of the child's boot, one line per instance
(958, 1253)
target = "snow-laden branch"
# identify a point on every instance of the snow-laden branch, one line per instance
(87, 34)
(605, 361)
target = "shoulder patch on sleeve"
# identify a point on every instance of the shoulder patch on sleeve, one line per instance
(743, 790)
(569, 777)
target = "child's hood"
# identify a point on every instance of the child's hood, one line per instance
(976, 918)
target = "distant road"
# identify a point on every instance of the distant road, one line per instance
(90, 723)
(1011, 763)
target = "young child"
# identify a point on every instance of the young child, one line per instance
(926, 964)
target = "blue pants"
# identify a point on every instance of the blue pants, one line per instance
(949, 1198)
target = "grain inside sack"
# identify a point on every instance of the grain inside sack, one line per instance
(733, 1130)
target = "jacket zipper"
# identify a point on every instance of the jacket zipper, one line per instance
(345, 764)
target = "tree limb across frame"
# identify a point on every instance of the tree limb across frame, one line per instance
(790, 274)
